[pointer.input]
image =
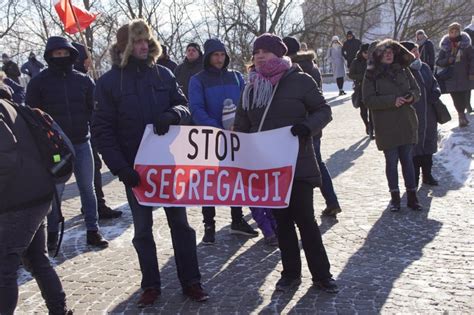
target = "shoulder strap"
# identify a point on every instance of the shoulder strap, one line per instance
(267, 108)
(236, 78)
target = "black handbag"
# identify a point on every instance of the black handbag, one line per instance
(356, 96)
(445, 73)
(442, 113)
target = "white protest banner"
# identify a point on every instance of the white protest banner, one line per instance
(205, 166)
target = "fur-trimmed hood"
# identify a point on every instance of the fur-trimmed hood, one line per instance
(304, 56)
(445, 42)
(402, 57)
(137, 29)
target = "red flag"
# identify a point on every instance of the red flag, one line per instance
(64, 8)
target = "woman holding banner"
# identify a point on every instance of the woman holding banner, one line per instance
(280, 95)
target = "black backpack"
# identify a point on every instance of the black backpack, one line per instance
(54, 146)
(56, 150)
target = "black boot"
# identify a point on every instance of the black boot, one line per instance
(209, 237)
(430, 180)
(107, 213)
(395, 201)
(52, 242)
(94, 238)
(412, 201)
(426, 167)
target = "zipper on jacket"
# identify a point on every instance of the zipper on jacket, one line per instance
(67, 101)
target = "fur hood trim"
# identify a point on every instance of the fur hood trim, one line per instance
(304, 56)
(402, 56)
(137, 29)
(445, 43)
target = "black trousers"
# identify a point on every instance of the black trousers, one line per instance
(99, 193)
(340, 82)
(301, 213)
(366, 116)
(209, 213)
(461, 100)
(423, 162)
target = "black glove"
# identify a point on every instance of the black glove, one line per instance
(300, 130)
(129, 177)
(163, 122)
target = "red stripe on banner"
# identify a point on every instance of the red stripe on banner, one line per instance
(208, 185)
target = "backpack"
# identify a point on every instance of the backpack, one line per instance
(56, 150)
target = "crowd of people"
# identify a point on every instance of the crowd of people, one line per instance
(396, 88)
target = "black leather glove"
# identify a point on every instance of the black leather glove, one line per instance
(300, 130)
(129, 177)
(164, 121)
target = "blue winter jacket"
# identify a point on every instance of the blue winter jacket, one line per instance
(66, 94)
(210, 88)
(127, 99)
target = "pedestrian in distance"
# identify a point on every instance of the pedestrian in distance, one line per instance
(191, 65)
(10, 68)
(291, 98)
(32, 67)
(335, 57)
(426, 48)
(26, 190)
(165, 59)
(427, 124)
(210, 90)
(389, 90)
(306, 61)
(67, 95)
(356, 73)
(134, 93)
(350, 48)
(83, 65)
(456, 57)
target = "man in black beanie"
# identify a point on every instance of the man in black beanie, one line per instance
(191, 65)
(350, 48)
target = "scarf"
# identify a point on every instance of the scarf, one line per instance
(262, 80)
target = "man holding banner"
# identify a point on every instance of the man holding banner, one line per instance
(134, 93)
(209, 92)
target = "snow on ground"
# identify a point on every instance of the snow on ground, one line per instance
(455, 145)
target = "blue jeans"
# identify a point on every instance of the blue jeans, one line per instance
(327, 189)
(404, 154)
(23, 238)
(183, 238)
(84, 173)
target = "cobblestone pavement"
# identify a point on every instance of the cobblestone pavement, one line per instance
(407, 262)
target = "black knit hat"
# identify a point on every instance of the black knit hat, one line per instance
(271, 43)
(364, 47)
(293, 45)
(195, 46)
(409, 45)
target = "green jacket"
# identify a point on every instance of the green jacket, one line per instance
(394, 126)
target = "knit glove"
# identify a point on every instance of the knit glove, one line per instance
(228, 114)
(129, 177)
(300, 130)
(164, 121)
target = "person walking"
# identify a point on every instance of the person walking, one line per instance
(27, 190)
(456, 56)
(350, 48)
(10, 68)
(209, 91)
(191, 65)
(293, 99)
(336, 58)
(134, 93)
(67, 95)
(306, 61)
(32, 67)
(83, 64)
(356, 73)
(427, 124)
(426, 49)
(389, 90)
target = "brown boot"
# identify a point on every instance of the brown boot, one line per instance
(412, 201)
(94, 238)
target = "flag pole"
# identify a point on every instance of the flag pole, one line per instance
(83, 39)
